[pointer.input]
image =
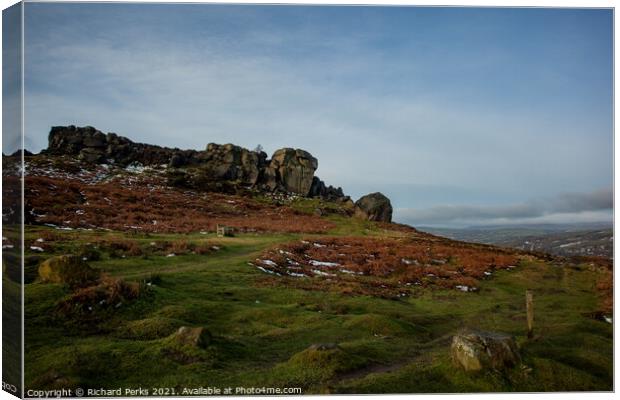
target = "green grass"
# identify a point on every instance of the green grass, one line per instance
(261, 334)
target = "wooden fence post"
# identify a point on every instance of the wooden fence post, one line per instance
(529, 305)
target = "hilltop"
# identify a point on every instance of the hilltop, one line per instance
(309, 289)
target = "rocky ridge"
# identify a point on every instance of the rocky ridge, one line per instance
(217, 167)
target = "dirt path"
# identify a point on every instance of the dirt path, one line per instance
(417, 356)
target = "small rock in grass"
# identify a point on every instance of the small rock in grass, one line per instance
(197, 337)
(476, 350)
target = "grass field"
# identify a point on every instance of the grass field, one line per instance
(262, 326)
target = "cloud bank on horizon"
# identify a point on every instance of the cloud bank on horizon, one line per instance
(454, 113)
(594, 206)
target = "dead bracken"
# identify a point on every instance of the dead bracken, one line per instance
(388, 267)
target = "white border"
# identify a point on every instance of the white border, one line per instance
(478, 3)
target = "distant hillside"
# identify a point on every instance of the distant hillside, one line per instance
(562, 240)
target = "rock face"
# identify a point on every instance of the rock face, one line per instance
(67, 269)
(476, 350)
(374, 207)
(195, 337)
(293, 169)
(218, 166)
(319, 189)
(94, 146)
(231, 163)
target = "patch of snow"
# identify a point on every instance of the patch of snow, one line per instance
(284, 252)
(319, 272)
(171, 255)
(7, 246)
(216, 248)
(297, 275)
(36, 248)
(80, 212)
(608, 319)
(409, 262)
(487, 273)
(267, 270)
(292, 262)
(40, 240)
(347, 271)
(323, 264)
(269, 262)
(319, 245)
(305, 242)
(203, 232)
(135, 168)
(462, 288)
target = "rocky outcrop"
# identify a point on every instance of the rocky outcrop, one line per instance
(293, 170)
(231, 163)
(93, 146)
(374, 207)
(218, 167)
(319, 189)
(476, 350)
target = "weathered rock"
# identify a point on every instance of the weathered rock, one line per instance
(92, 145)
(67, 269)
(477, 350)
(268, 179)
(219, 167)
(177, 161)
(231, 163)
(319, 189)
(294, 169)
(374, 207)
(196, 337)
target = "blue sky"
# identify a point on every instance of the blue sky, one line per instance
(459, 115)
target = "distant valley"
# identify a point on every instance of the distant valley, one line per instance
(562, 240)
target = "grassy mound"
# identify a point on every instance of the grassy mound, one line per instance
(317, 364)
(382, 325)
(149, 328)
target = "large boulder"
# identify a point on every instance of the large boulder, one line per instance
(231, 163)
(194, 337)
(476, 350)
(374, 207)
(67, 269)
(294, 170)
